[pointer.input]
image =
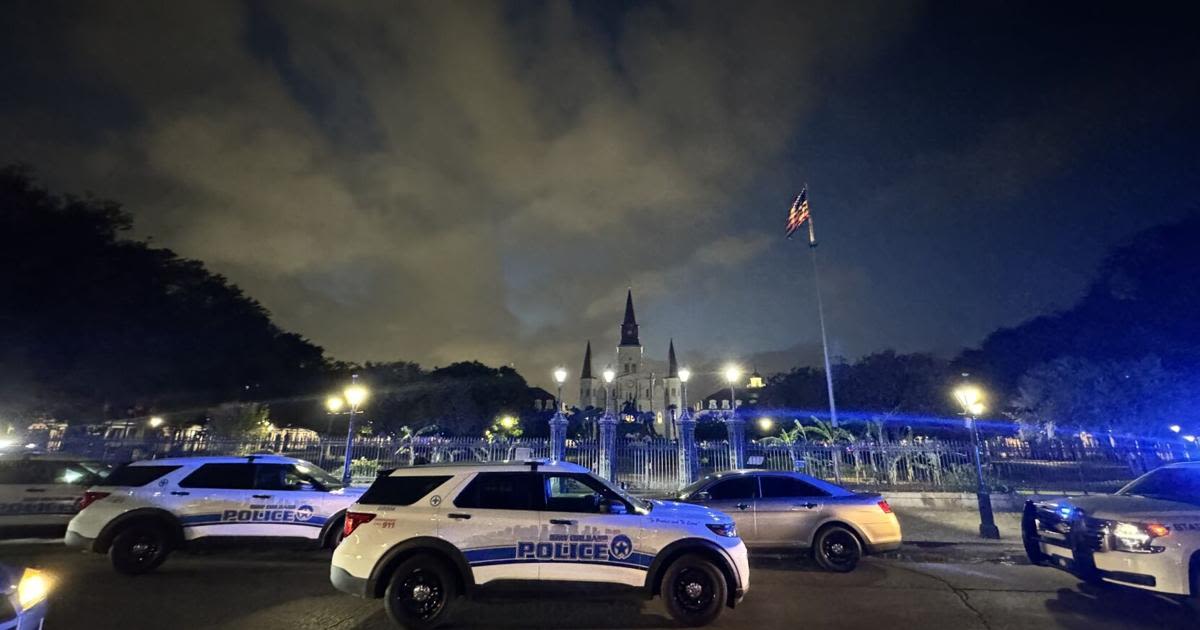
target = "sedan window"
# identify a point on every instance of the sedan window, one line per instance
(779, 487)
(736, 488)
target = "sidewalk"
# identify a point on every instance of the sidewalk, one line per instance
(953, 535)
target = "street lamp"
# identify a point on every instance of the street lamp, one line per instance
(766, 424)
(156, 421)
(733, 374)
(508, 422)
(559, 377)
(970, 398)
(684, 375)
(609, 375)
(354, 395)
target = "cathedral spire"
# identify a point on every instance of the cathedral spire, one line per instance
(629, 328)
(672, 364)
(586, 372)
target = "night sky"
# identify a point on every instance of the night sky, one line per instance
(441, 181)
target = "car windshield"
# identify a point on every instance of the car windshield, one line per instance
(1180, 483)
(691, 488)
(328, 481)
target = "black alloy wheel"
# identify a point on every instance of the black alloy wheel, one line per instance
(421, 593)
(694, 591)
(837, 549)
(139, 549)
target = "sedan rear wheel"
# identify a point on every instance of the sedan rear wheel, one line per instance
(837, 549)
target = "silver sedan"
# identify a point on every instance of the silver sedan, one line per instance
(789, 510)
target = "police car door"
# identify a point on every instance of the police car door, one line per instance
(589, 534)
(36, 492)
(489, 520)
(287, 503)
(215, 500)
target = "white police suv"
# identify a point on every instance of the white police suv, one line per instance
(420, 537)
(43, 491)
(146, 509)
(1146, 536)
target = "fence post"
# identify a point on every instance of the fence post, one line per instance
(558, 436)
(608, 447)
(687, 449)
(736, 428)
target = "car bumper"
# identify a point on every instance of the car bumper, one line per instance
(346, 583)
(1153, 572)
(76, 540)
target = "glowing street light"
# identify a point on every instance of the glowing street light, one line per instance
(684, 375)
(156, 421)
(354, 395)
(608, 375)
(334, 404)
(766, 424)
(970, 397)
(732, 374)
(508, 422)
(560, 377)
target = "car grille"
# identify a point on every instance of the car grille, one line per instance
(1077, 531)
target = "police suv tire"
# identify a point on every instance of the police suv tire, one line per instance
(421, 593)
(835, 548)
(139, 548)
(334, 535)
(693, 590)
(1029, 538)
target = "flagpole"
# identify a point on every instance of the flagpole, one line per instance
(812, 247)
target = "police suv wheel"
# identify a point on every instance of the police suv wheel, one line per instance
(694, 591)
(421, 593)
(139, 548)
(837, 549)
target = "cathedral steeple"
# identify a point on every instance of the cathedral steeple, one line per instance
(629, 328)
(586, 372)
(672, 364)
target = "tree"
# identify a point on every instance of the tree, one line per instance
(93, 322)
(1072, 394)
(238, 419)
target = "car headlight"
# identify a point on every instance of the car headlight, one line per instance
(33, 588)
(1137, 537)
(728, 530)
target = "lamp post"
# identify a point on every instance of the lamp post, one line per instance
(687, 435)
(684, 375)
(558, 422)
(354, 396)
(607, 432)
(736, 426)
(333, 405)
(970, 398)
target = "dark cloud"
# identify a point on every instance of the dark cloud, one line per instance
(455, 180)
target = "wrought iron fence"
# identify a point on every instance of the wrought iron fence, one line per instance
(652, 465)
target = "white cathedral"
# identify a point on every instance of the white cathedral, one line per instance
(636, 392)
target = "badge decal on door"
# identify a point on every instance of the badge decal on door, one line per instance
(621, 547)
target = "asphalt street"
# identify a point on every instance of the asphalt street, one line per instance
(261, 590)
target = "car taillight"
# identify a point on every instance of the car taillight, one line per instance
(354, 519)
(883, 505)
(90, 497)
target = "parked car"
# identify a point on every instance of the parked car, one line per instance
(1146, 535)
(147, 509)
(39, 493)
(790, 510)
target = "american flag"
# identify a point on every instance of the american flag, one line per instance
(799, 214)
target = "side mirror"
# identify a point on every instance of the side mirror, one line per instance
(703, 495)
(608, 506)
